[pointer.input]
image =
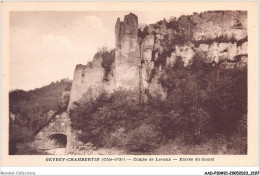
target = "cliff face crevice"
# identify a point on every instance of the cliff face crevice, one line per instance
(142, 54)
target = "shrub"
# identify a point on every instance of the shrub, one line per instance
(238, 141)
(105, 115)
(144, 138)
(108, 58)
(117, 139)
(239, 144)
(173, 24)
(113, 121)
(143, 33)
(219, 39)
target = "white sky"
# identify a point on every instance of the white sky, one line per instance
(46, 46)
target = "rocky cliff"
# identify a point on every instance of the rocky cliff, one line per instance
(92, 79)
(142, 54)
(127, 52)
(87, 80)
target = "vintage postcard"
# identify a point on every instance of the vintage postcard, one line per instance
(129, 84)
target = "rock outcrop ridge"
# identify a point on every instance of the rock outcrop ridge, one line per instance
(143, 54)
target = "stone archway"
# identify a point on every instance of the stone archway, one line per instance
(58, 140)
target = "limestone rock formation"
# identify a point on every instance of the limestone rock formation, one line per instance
(142, 54)
(220, 35)
(213, 24)
(127, 52)
(87, 81)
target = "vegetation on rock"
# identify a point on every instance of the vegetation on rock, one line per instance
(203, 103)
(108, 58)
(185, 59)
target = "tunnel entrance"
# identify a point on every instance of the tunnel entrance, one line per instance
(58, 140)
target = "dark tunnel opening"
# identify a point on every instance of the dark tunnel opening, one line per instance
(59, 140)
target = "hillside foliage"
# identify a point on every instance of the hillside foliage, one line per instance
(30, 110)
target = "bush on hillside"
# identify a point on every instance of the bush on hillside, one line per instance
(108, 58)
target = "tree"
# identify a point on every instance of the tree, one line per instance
(108, 58)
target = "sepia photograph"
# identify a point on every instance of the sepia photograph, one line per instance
(157, 83)
(107, 82)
